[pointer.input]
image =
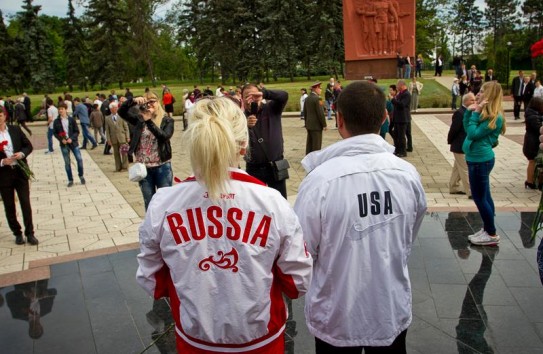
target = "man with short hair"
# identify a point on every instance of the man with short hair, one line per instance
(315, 122)
(14, 147)
(82, 113)
(52, 114)
(360, 208)
(329, 97)
(66, 131)
(455, 139)
(517, 90)
(401, 117)
(489, 76)
(117, 133)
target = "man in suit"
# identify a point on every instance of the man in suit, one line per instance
(401, 117)
(66, 131)
(489, 76)
(528, 91)
(315, 121)
(117, 133)
(517, 91)
(455, 139)
(14, 146)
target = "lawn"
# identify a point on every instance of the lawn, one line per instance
(433, 94)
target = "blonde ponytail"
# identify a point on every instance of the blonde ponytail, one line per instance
(215, 137)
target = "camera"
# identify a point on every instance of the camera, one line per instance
(144, 107)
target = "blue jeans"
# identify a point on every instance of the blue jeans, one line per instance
(87, 136)
(329, 104)
(157, 177)
(479, 180)
(50, 139)
(453, 103)
(407, 71)
(67, 164)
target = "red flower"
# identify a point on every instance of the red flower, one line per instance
(62, 134)
(3, 144)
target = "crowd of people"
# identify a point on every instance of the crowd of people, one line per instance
(230, 233)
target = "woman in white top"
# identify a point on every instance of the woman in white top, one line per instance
(538, 91)
(189, 104)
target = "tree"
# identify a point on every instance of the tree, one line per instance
(108, 39)
(75, 50)
(466, 23)
(501, 16)
(6, 52)
(37, 52)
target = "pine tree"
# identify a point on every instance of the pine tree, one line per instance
(501, 16)
(37, 52)
(75, 50)
(6, 53)
(107, 40)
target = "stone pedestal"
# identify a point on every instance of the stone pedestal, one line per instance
(375, 32)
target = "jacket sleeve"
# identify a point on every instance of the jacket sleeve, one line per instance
(308, 208)
(320, 113)
(278, 99)
(456, 127)
(532, 123)
(163, 134)
(152, 274)
(128, 114)
(294, 264)
(26, 145)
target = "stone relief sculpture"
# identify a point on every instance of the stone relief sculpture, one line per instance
(381, 24)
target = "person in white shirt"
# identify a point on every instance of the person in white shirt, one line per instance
(52, 114)
(227, 248)
(538, 91)
(302, 101)
(360, 208)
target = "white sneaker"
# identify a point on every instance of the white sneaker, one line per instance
(484, 239)
(476, 234)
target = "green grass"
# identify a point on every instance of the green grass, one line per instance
(432, 94)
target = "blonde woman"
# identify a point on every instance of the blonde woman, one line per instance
(483, 122)
(222, 246)
(415, 88)
(150, 142)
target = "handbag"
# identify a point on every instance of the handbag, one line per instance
(137, 172)
(279, 167)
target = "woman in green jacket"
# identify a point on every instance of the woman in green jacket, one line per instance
(483, 122)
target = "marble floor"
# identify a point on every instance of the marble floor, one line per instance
(466, 299)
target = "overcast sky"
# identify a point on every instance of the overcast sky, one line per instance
(60, 7)
(56, 7)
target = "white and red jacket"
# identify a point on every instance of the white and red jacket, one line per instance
(224, 265)
(360, 208)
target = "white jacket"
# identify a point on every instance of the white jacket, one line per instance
(360, 208)
(224, 265)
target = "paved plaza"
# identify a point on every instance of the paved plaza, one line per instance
(466, 299)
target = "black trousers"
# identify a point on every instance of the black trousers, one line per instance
(264, 173)
(22, 187)
(400, 130)
(314, 141)
(409, 137)
(516, 106)
(397, 347)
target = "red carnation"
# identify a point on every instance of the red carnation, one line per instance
(3, 144)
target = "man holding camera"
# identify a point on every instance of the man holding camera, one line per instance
(265, 133)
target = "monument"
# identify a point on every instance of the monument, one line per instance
(375, 33)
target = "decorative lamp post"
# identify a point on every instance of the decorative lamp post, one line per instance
(508, 62)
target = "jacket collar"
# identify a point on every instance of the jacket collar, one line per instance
(356, 145)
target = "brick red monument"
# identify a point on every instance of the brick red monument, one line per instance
(375, 31)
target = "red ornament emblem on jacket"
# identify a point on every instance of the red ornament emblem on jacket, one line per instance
(225, 261)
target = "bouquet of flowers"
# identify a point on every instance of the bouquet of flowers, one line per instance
(63, 137)
(20, 163)
(123, 149)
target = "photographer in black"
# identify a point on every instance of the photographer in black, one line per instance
(265, 160)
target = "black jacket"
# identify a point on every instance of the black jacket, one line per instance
(73, 131)
(457, 134)
(163, 133)
(401, 103)
(530, 148)
(20, 144)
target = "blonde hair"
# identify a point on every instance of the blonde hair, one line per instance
(492, 92)
(216, 135)
(159, 111)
